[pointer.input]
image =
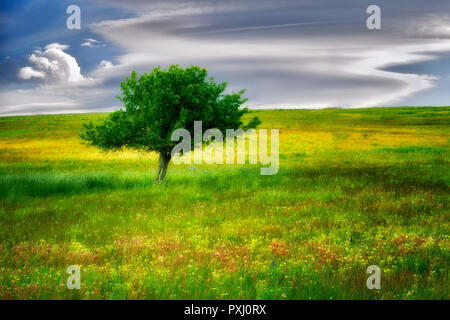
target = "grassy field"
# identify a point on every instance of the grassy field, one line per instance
(355, 188)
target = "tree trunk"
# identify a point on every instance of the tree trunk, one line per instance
(164, 159)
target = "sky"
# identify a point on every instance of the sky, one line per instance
(286, 53)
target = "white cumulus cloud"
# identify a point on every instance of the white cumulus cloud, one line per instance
(53, 65)
(28, 73)
(90, 43)
(104, 64)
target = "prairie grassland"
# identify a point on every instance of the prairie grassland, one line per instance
(355, 188)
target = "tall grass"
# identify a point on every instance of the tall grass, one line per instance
(355, 188)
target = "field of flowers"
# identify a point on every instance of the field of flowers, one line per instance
(355, 188)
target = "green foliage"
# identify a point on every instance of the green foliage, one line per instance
(335, 207)
(158, 103)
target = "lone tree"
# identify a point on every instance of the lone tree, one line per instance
(158, 103)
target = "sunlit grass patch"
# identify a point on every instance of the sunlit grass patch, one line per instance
(355, 188)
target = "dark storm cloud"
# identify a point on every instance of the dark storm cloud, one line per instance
(287, 53)
(439, 66)
(314, 53)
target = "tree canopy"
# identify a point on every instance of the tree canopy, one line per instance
(157, 103)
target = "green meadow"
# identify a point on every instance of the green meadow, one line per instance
(355, 188)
